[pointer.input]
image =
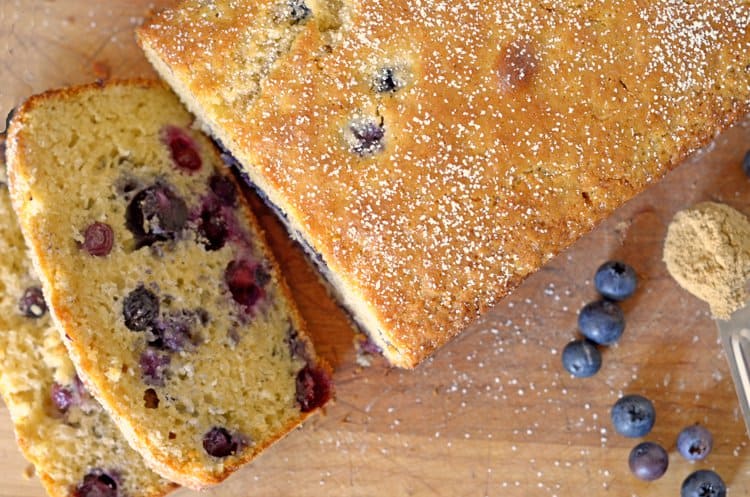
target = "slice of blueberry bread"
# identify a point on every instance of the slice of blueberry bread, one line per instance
(173, 310)
(75, 447)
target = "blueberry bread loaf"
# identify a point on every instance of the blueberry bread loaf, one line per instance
(76, 449)
(433, 155)
(172, 308)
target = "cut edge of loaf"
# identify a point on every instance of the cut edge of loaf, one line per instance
(171, 470)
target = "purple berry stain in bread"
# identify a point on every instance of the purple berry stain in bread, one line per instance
(313, 388)
(155, 214)
(97, 484)
(224, 189)
(212, 227)
(140, 309)
(516, 65)
(173, 332)
(240, 278)
(98, 239)
(32, 304)
(297, 347)
(218, 442)
(183, 149)
(153, 365)
(365, 136)
(62, 397)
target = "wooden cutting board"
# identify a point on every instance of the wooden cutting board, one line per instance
(493, 413)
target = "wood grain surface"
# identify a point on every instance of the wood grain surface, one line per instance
(493, 413)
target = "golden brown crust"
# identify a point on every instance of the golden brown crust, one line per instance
(189, 473)
(514, 132)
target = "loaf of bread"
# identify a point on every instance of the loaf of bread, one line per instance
(172, 307)
(75, 448)
(433, 155)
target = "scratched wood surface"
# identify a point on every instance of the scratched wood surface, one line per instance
(493, 413)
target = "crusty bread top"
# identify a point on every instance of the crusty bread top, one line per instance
(509, 130)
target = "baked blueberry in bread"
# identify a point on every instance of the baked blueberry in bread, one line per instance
(172, 308)
(435, 154)
(76, 449)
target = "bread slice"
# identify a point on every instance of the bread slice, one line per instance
(434, 156)
(74, 446)
(173, 309)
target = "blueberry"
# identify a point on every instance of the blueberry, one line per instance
(262, 276)
(224, 189)
(155, 214)
(695, 442)
(648, 461)
(601, 322)
(173, 332)
(633, 416)
(313, 388)
(183, 149)
(240, 278)
(140, 309)
(746, 163)
(298, 11)
(703, 483)
(212, 227)
(218, 442)
(581, 358)
(615, 280)
(97, 484)
(32, 304)
(365, 136)
(385, 81)
(153, 366)
(98, 239)
(62, 397)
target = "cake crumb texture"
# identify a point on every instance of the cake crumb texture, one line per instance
(434, 154)
(60, 428)
(172, 307)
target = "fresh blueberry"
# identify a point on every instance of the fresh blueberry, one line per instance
(298, 11)
(97, 484)
(140, 309)
(581, 358)
(365, 136)
(155, 214)
(240, 278)
(386, 81)
(313, 388)
(633, 416)
(153, 366)
(695, 442)
(648, 461)
(98, 239)
(218, 442)
(601, 322)
(615, 280)
(182, 147)
(224, 189)
(32, 304)
(703, 483)
(212, 228)
(746, 163)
